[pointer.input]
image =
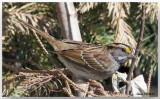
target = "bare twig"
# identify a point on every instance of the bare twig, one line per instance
(54, 72)
(67, 86)
(75, 85)
(68, 92)
(149, 81)
(137, 49)
(38, 80)
(41, 44)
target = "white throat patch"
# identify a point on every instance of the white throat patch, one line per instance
(121, 57)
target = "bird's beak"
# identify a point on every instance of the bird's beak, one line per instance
(132, 56)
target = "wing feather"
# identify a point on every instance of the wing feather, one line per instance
(94, 57)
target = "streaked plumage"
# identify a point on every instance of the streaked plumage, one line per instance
(88, 60)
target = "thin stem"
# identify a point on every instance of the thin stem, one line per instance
(149, 81)
(137, 50)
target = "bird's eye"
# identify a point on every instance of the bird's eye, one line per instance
(123, 50)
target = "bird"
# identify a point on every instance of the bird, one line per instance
(86, 60)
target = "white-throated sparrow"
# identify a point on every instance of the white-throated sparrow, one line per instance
(88, 60)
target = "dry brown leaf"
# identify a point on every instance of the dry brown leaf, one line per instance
(88, 6)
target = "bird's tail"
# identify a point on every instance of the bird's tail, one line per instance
(40, 32)
(55, 43)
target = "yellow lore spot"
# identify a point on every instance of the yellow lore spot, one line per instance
(128, 49)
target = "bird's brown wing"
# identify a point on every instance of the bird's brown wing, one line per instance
(80, 44)
(73, 54)
(94, 57)
(97, 58)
